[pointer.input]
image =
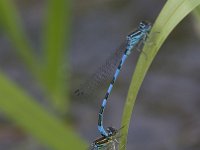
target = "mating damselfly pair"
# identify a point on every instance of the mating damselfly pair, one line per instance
(134, 39)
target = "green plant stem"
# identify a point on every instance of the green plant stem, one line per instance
(11, 22)
(172, 13)
(196, 14)
(57, 25)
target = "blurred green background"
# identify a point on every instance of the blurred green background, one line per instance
(49, 48)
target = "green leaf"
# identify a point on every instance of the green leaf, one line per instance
(32, 118)
(11, 22)
(56, 27)
(196, 14)
(172, 13)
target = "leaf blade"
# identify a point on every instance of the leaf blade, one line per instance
(11, 22)
(172, 13)
(33, 119)
(55, 40)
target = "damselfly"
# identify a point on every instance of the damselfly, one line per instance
(133, 40)
(107, 143)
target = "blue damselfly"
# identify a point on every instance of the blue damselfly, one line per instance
(133, 39)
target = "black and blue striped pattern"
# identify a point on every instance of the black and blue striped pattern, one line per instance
(132, 40)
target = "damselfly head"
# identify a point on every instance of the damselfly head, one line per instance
(111, 131)
(144, 26)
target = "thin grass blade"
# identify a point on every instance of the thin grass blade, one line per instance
(55, 40)
(11, 22)
(172, 13)
(196, 14)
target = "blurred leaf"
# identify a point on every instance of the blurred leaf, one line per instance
(12, 24)
(196, 14)
(172, 13)
(33, 119)
(55, 30)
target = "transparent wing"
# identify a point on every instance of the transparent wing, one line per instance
(111, 144)
(103, 73)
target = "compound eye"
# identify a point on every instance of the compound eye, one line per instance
(111, 130)
(142, 25)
